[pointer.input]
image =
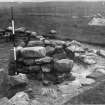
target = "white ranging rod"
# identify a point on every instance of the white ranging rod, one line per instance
(13, 27)
(13, 31)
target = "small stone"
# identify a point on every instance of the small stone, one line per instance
(46, 67)
(90, 60)
(59, 56)
(75, 48)
(46, 82)
(58, 42)
(29, 90)
(35, 102)
(87, 81)
(101, 52)
(49, 50)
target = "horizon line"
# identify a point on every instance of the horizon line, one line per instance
(20, 1)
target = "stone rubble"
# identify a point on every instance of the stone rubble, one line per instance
(56, 59)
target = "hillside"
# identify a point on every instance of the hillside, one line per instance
(42, 17)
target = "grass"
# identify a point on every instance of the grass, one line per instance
(92, 96)
(31, 16)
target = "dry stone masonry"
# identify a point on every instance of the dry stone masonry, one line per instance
(68, 64)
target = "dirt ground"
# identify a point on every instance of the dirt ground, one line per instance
(37, 86)
(4, 53)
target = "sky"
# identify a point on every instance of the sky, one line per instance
(43, 0)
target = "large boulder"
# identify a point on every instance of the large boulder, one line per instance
(63, 65)
(20, 98)
(20, 79)
(35, 52)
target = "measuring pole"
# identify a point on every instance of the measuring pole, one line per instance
(12, 20)
(13, 32)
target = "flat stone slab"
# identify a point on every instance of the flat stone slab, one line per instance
(95, 75)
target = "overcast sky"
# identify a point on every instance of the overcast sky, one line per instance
(43, 0)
